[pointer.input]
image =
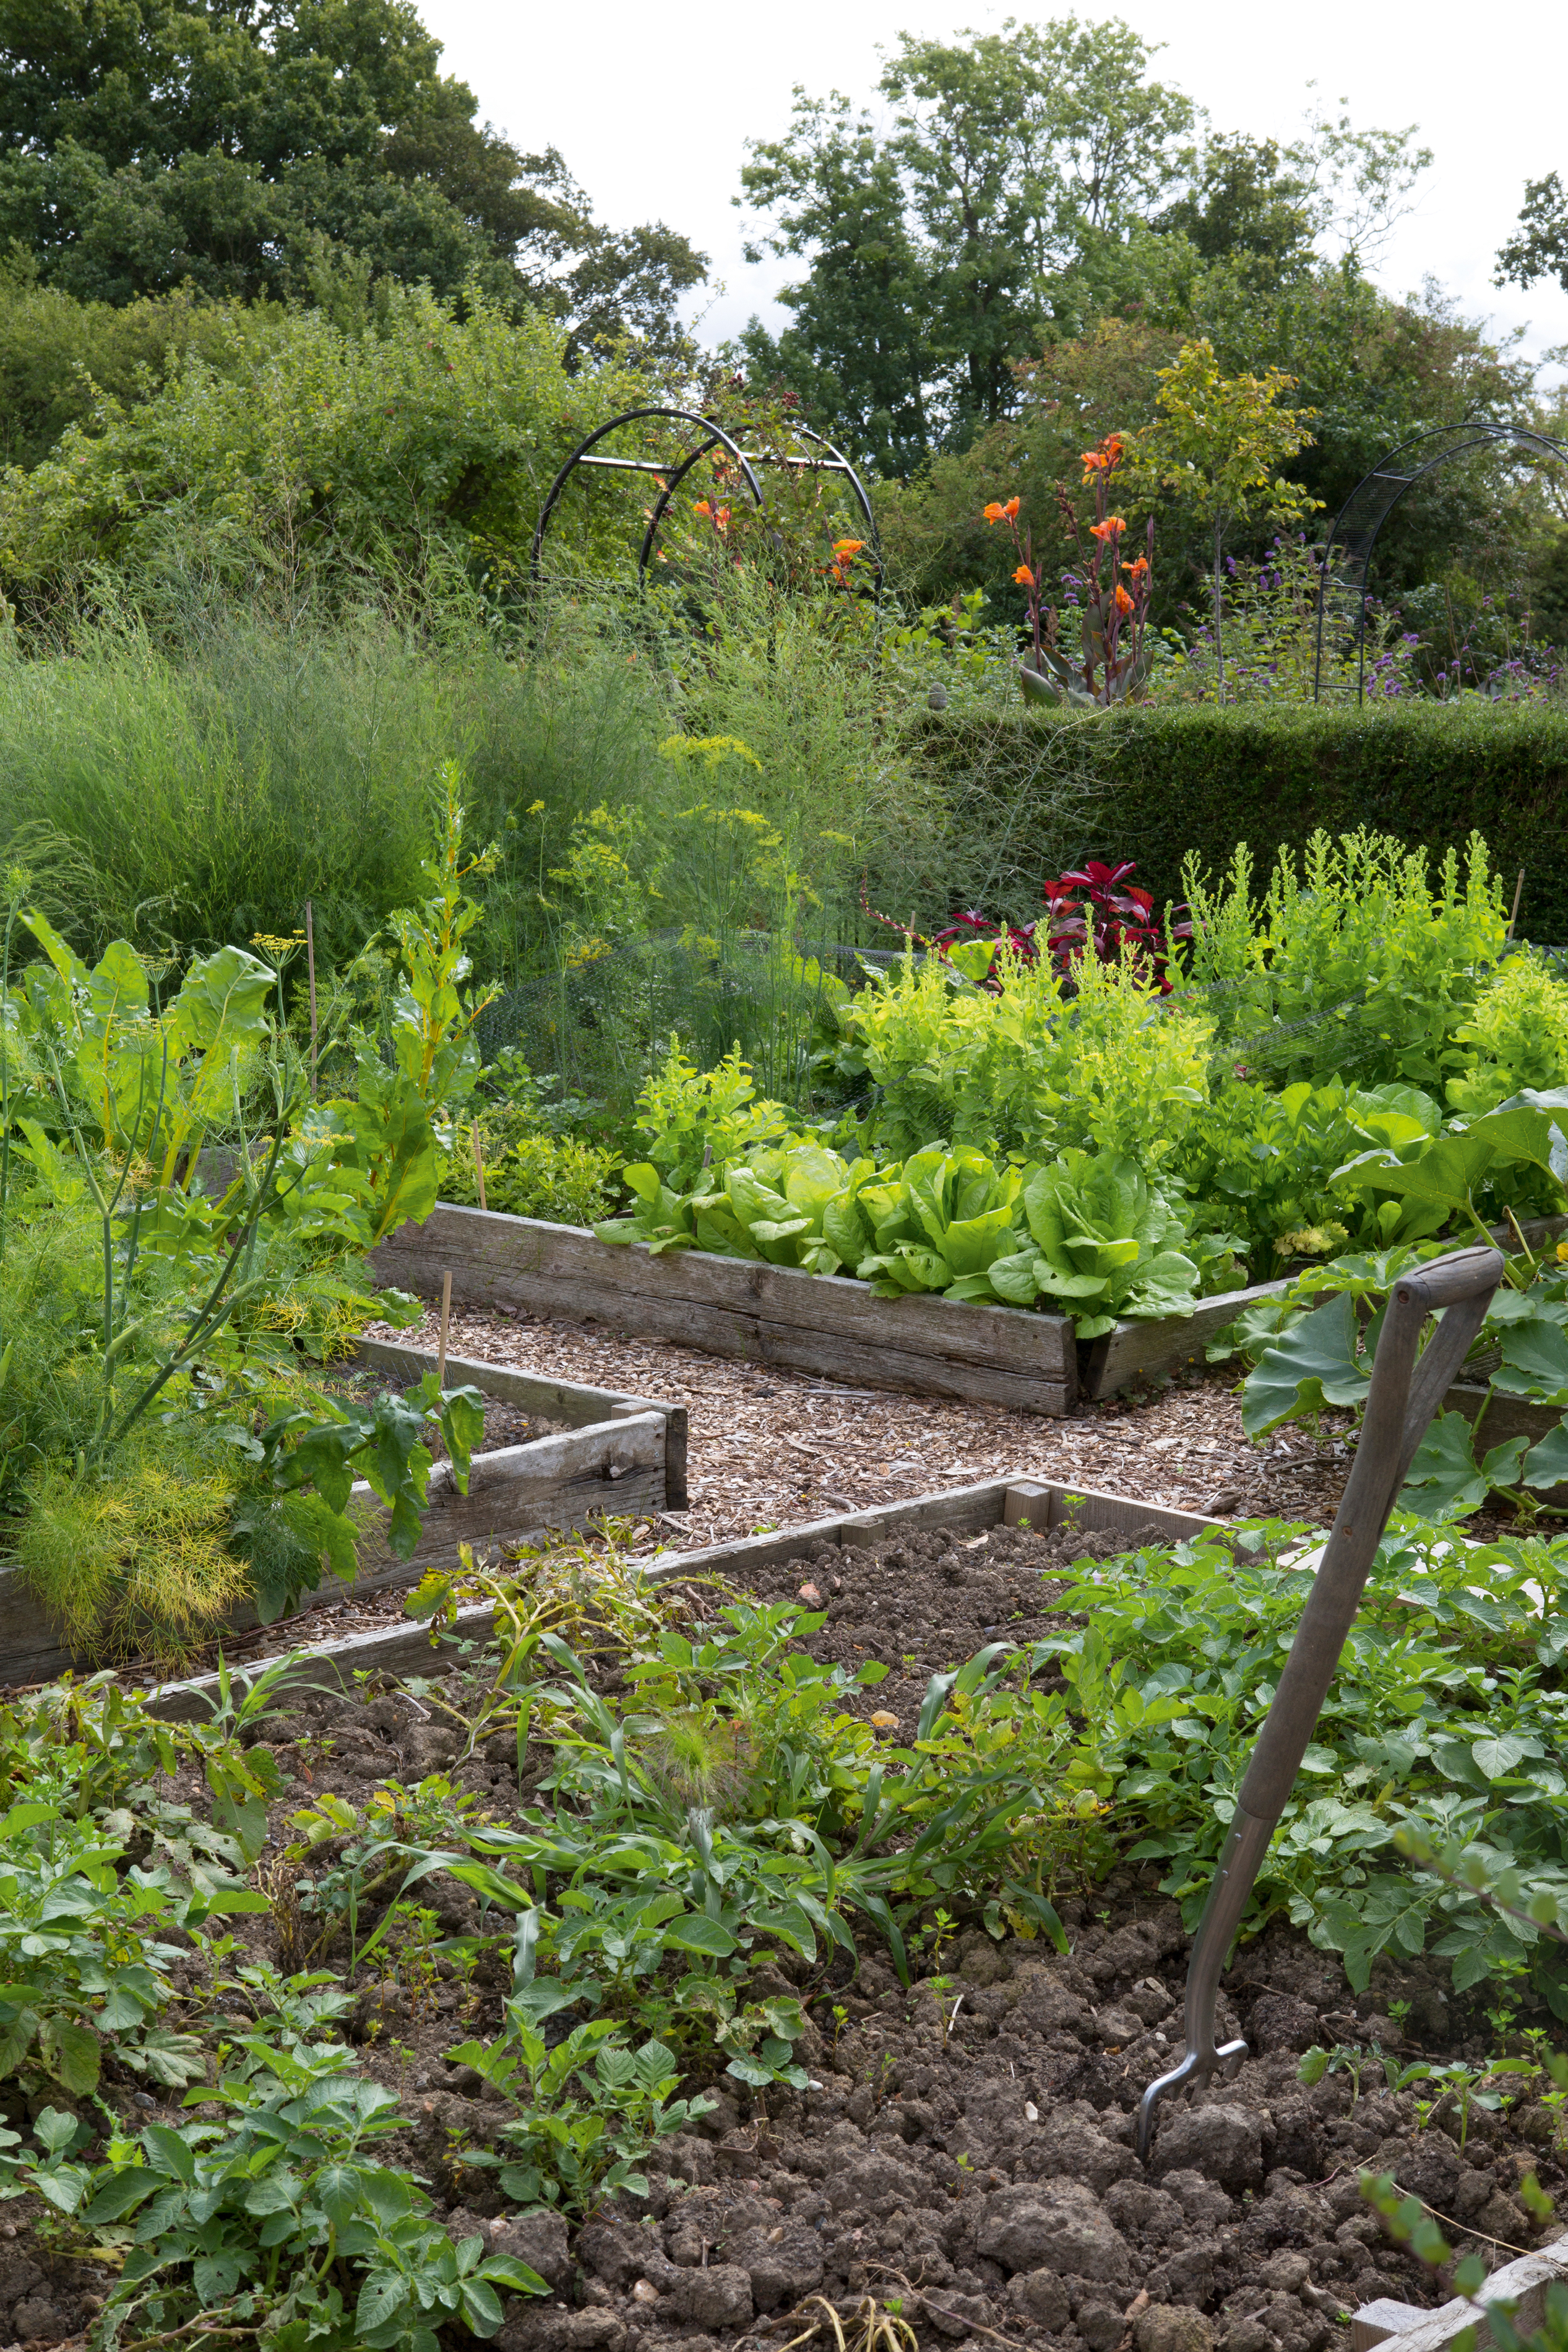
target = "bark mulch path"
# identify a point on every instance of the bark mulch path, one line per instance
(769, 1447)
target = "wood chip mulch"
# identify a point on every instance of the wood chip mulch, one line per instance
(768, 1447)
(771, 1449)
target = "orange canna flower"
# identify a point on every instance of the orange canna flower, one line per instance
(1111, 527)
(1010, 508)
(1024, 576)
(1138, 571)
(1124, 601)
(995, 512)
(844, 548)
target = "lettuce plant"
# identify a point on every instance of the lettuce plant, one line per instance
(1102, 1246)
(1087, 1236)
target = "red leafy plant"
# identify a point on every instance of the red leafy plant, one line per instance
(1089, 905)
(1096, 902)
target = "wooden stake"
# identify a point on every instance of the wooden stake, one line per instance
(1518, 895)
(479, 1164)
(310, 965)
(445, 1322)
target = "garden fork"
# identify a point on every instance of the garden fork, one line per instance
(1402, 1398)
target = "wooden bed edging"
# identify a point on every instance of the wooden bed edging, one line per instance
(1109, 1362)
(517, 1493)
(567, 1400)
(409, 1649)
(740, 1308)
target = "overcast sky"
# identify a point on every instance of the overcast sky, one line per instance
(652, 106)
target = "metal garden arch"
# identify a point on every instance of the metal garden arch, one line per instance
(1359, 522)
(674, 471)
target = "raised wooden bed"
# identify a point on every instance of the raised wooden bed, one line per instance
(808, 1322)
(616, 1460)
(739, 1308)
(570, 1401)
(406, 1649)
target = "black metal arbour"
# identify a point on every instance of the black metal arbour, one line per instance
(1359, 522)
(674, 471)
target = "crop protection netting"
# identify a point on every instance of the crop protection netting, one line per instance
(601, 1023)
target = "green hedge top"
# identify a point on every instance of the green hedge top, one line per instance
(1156, 783)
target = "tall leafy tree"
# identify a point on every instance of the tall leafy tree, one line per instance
(1018, 165)
(858, 354)
(1539, 248)
(235, 145)
(1216, 443)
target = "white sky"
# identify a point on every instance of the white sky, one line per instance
(652, 108)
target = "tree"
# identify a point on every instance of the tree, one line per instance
(157, 143)
(1541, 247)
(1215, 442)
(1244, 201)
(858, 354)
(1017, 170)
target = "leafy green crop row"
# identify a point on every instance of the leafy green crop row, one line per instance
(1081, 1138)
(725, 1806)
(1085, 1235)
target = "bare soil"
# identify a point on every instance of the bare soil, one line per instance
(966, 2153)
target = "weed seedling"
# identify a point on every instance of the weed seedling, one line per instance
(411, 1946)
(1350, 2058)
(943, 1927)
(1466, 2087)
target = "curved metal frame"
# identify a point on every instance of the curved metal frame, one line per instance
(834, 461)
(1472, 435)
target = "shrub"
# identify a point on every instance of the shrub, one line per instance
(433, 433)
(1162, 784)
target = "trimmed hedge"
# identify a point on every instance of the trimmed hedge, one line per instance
(1156, 783)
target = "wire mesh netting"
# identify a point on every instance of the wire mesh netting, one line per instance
(600, 1025)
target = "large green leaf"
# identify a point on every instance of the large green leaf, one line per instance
(693, 1931)
(1546, 1464)
(1445, 1174)
(73, 2052)
(972, 1243)
(1445, 1477)
(1534, 1360)
(1316, 1364)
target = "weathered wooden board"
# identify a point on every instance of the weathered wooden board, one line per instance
(1151, 1349)
(410, 1649)
(567, 1400)
(738, 1308)
(1506, 1417)
(515, 1495)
